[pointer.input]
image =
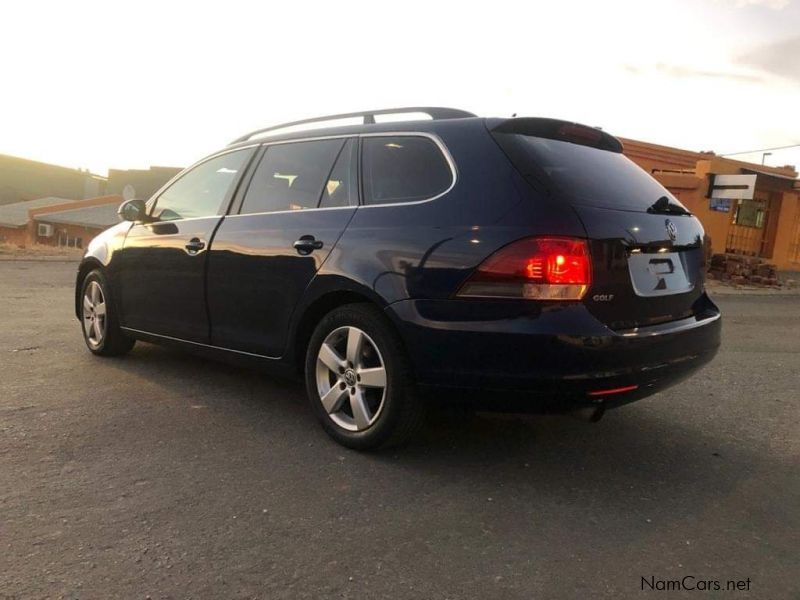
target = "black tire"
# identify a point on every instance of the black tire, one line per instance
(402, 412)
(114, 342)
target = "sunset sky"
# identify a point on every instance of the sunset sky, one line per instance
(132, 84)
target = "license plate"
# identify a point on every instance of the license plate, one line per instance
(659, 274)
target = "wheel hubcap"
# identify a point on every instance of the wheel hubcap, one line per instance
(351, 378)
(94, 314)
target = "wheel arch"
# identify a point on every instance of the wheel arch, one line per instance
(314, 313)
(324, 298)
(88, 264)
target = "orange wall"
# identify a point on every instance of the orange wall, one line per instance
(788, 233)
(690, 187)
(652, 156)
(87, 233)
(14, 235)
(73, 231)
(27, 234)
(714, 222)
(691, 191)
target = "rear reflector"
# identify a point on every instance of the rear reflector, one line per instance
(533, 269)
(619, 390)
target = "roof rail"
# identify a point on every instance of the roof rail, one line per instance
(435, 112)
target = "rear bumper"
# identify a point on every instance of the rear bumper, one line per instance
(515, 355)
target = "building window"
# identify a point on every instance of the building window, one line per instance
(750, 213)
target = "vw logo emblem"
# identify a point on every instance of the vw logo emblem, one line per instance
(672, 231)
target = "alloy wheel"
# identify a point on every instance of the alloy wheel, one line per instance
(351, 378)
(94, 314)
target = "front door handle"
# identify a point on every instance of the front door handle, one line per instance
(306, 245)
(194, 245)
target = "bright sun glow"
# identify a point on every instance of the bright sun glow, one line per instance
(128, 85)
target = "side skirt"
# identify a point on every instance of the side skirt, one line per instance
(272, 365)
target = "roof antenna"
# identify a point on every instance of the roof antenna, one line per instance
(514, 115)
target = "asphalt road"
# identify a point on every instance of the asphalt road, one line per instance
(169, 476)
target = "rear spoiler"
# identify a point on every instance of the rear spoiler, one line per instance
(565, 131)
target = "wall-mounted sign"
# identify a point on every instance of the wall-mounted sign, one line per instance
(720, 204)
(735, 187)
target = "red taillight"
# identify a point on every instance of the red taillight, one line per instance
(533, 268)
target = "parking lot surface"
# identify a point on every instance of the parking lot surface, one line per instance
(164, 475)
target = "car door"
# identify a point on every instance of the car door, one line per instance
(162, 269)
(296, 206)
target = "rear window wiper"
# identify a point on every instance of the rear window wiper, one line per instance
(663, 206)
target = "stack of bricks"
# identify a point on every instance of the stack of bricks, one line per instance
(743, 270)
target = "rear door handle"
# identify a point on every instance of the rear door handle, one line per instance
(306, 245)
(194, 245)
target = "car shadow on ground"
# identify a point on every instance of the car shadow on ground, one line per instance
(647, 452)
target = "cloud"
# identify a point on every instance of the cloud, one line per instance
(683, 71)
(780, 58)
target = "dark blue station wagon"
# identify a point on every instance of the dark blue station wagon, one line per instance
(512, 264)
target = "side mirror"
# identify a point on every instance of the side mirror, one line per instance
(133, 210)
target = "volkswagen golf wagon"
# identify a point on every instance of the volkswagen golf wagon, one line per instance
(519, 264)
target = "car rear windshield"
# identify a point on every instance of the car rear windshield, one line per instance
(584, 175)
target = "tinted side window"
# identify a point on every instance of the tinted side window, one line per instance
(403, 169)
(341, 188)
(291, 176)
(201, 191)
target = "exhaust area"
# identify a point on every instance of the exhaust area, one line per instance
(589, 414)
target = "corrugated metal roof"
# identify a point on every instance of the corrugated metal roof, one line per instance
(16, 214)
(99, 217)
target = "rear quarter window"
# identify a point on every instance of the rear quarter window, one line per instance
(398, 169)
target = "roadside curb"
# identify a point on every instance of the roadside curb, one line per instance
(732, 291)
